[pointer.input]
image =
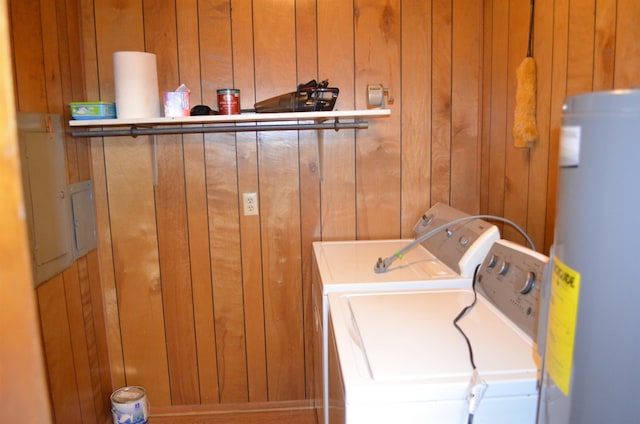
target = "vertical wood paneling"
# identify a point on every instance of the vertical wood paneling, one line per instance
(222, 200)
(539, 169)
(23, 390)
(76, 305)
(274, 43)
(487, 102)
(196, 204)
(605, 42)
(129, 167)
(48, 59)
(310, 216)
(107, 266)
(497, 92)
(377, 58)
(336, 54)
(247, 156)
(627, 47)
(558, 93)
(51, 60)
(517, 160)
(201, 304)
(59, 351)
(171, 215)
(416, 113)
(441, 102)
(98, 349)
(580, 57)
(466, 79)
(28, 56)
(137, 274)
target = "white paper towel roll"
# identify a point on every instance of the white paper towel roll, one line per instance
(136, 85)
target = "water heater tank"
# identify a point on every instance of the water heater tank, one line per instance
(591, 368)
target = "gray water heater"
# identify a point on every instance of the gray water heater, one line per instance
(591, 292)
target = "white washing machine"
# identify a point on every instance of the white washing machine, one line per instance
(445, 259)
(397, 357)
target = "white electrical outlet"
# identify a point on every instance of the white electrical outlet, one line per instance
(250, 202)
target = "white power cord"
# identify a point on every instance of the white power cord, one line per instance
(475, 392)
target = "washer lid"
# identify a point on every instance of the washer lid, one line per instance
(346, 265)
(404, 346)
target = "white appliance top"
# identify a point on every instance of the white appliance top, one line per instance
(403, 347)
(349, 266)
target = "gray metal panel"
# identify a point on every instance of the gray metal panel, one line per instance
(84, 217)
(46, 195)
(596, 235)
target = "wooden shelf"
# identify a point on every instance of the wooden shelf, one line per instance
(225, 123)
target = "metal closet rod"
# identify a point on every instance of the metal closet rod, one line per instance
(135, 131)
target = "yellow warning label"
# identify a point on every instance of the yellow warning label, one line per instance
(561, 328)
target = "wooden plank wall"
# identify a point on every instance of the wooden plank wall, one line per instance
(204, 306)
(180, 235)
(24, 396)
(579, 46)
(48, 73)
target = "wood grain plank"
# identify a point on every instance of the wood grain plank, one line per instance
(247, 156)
(105, 284)
(441, 103)
(377, 58)
(136, 263)
(119, 26)
(75, 305)
(605, 44)
(222, 204)
(487, 99)
(89, 49)
(580, 58)
(128, 165)
(498, 108)
(60, 75)
(24, 394)
(310, 220)
(465, 106)
(274, 38)
(416, 113)
(51, 47)
(98, 351)
(58, 351)
(222, 199)
(28, 57)
(336, 62)
(627, 49)
(517, 159)
(558, 94)
(539, 170)
(171, 216)
(196, 200)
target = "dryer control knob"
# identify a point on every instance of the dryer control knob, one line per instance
(529, 283)
(504, 268)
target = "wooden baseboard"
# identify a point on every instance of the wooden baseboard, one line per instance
(289, 412)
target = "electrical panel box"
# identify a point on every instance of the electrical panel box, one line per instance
(47, 204)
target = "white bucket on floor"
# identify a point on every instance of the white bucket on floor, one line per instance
(129, 405)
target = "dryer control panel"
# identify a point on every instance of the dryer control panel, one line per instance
(462, 245)
(510, 277)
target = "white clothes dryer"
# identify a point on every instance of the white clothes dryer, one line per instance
(397, 357)
(445, 260)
